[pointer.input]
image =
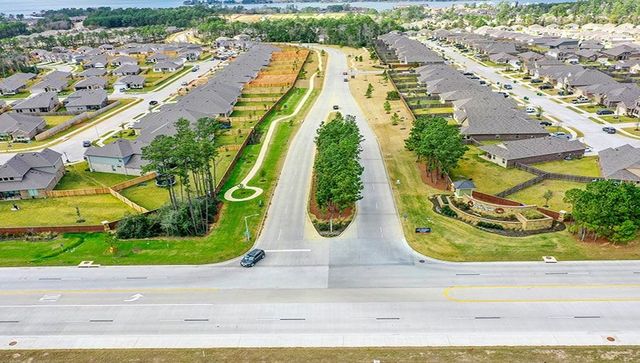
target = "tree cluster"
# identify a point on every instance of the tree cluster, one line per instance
(186, 163)
(436, 143)
(607, 209)
(338, 173)
(350, 30)
(183, 16)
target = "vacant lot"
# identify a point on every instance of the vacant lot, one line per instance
(62, 211)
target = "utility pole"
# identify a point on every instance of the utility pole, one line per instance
(247, 234)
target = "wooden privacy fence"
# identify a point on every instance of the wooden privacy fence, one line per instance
(74, 121)
(135, 181)
(128, 202)
(75, 192)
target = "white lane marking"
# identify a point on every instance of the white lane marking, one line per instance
(291, 250)
(50, 298)
(134, 297)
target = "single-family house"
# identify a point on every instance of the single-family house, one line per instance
(93, 72)
(15, 83)
(91, 83)
(167, 66)
(20, 127)
(86, 100)
(97, 61)
(40, 103)
(122, 60)
(121, 157)
(534, 150)
(127, 70)
(30, 174)
(130, 82)
(505, 58)
(621, 163)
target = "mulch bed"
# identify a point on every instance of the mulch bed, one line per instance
(437, 181)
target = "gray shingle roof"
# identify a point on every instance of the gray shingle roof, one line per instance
(32, 170)
(12, 123)
(41, 100)
(621, 163)
(539, 146)
(86, 97)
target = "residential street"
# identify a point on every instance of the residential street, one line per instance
(593, 134)
(364, 288)
(71, 146)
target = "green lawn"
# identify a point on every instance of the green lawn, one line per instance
(56, 120)
(614, 119)
(632, 131)
(591, 108)
(533, 194)
(78, 176)
(147, 195)
(127, 135)
(487, 176)
(224, 242)
(62, 211)
(586, 166)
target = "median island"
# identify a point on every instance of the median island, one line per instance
(337, 175)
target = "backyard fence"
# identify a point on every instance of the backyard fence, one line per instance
(75, 192)
(74, 121)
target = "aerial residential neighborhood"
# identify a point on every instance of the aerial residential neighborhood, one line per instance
(372, 181)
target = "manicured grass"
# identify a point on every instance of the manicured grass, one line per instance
(591, 108)
(225, 241)
(56, 120)
(17, 96)
(147, 195)
(632, 131)
(78, 176)
(614, 119)
(454, 240)
(434, 111)
(303, 355)
(576, 109)
(533, 194)
(586, 166)
(62, 211)
(127, 135)
(596, 120)
(487, 176)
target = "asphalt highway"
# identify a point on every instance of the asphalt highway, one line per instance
(364, 288)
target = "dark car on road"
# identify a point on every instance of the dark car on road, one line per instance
(546, 86)
(604, 111)
(153, 103)
(251, 258)
(336, 107)
(545, 123)
(536, 81)
(609, 130)
(86, 143)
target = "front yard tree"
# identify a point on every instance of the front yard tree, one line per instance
(547, 196)
(438, 144)
(539, 111)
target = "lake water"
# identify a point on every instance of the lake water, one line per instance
(28, 7)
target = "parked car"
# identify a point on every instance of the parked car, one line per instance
(563, 93)
(468, 73)
(536, 81)
(153, 103)
(344, 73)
(251, 258)
(604, 111)
(483, 82)
(539, 94)
(545, 86)
(195, 69)
(508, 86)
(86, 143)
(185, 83)
(346, 79)
(526, 78)
(580, 100)
(505, 94)
(336, 107)
(545, 123)
(530, 109)
(609, 130)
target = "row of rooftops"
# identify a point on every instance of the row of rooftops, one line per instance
(214, 99)
(410, 51)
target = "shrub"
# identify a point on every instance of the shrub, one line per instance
(490, 225)
(447, 211)
(138, 226)
(393, 96)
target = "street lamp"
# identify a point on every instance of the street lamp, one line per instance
(247, 234)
